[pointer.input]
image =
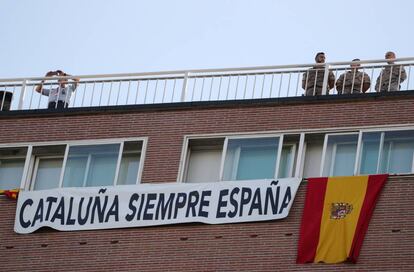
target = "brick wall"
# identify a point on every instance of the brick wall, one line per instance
(259, 246)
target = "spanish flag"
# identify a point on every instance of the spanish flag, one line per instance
(12, 194)
(336, 217)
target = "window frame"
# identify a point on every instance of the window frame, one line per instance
(325, 147)
(27, 181)
(224, 152)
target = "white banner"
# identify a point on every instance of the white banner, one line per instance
(70, 209)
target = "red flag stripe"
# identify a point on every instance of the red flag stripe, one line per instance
(311, 219)
(375, 184)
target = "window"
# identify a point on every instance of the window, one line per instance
(252, 158)
(81, 164)
(340, 154)
(11, 167)
(204, 158)
(387, 152)
(239, 158)
(48, 162)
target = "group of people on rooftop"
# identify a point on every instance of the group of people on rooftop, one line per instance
(353, 81)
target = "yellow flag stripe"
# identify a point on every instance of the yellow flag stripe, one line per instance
(336, 235)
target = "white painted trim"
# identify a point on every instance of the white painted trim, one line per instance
(76, 142)
(142, 159)
(184, 159)
(300, 155)
(279, 154)
(118, 163)
(62, 171)
(26, 168)
(223, 158)
(380, 152)
(325, 144)
(357, 154)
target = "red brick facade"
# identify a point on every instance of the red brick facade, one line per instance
(262, 246)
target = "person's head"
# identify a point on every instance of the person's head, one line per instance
(320, 57)
(62, 82)
(355, 65)
(390, 56)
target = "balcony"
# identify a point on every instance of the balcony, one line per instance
(200, 85)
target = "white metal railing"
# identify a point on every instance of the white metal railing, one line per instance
(195, 85)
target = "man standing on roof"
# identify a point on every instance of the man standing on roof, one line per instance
(58, 97)
(312, 80)
(353, 81)
(391, 76)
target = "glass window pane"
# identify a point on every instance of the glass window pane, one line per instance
(92, 165)
(11, 171)
(370, 152)
(11, 167)
(398, 152)
(251, 158)
(340, 155)
(286, 162)
(48, 173)
(129, 167)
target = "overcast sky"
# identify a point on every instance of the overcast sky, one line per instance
(124, 36)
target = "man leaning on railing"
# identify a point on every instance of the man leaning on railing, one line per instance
(58, 97)
(391, 76)
(353, 81)
(312, 80)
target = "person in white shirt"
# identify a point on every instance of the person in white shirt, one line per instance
(59, 97)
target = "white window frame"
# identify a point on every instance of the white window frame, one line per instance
(18, 157)
(325, 146)
(381, 145)
(27, 181)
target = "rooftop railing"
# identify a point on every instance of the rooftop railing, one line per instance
(209, 84)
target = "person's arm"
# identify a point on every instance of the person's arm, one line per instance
(367, 83)
(331, 80)
(378, 82)
(75, 79)
(304, 78)
(403, 74)
(339, 84)
(39, 87)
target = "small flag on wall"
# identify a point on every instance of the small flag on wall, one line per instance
(336, 216)
(12, 194)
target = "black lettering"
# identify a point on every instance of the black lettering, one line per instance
(233, 202)
(246, 195)
(27, 202)
(256, 203)
(149, 206)
(141, 205)
(39, 212)
(272, 200)
(193, 198)
(50, 200)
(164, 208)
(132, 207)
(82, 221)
(59, 212)
(286, 200)
(98, 209)
(221, 203)
(113, 210)
(179, 203)
(204, 203)
(69, 220)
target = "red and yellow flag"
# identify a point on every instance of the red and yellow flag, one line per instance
(336, 217)
(12, 194)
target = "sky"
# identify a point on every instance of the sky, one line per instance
(84, 37)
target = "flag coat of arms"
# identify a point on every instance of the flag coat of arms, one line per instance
(336, 216)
